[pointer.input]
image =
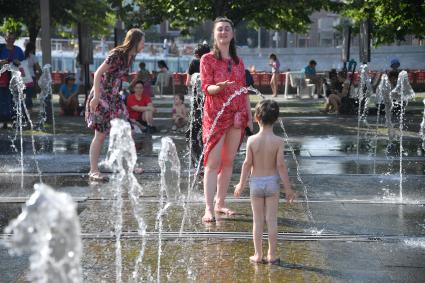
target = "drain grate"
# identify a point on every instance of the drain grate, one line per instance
(133, 235)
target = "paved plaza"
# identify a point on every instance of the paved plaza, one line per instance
(352, 229)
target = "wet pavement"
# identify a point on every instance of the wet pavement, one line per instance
(359, 230)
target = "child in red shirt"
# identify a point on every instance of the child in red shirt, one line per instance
(141, 109)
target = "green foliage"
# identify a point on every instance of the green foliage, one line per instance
(97, 13)
(391, 20)
(10, 24)
(272, 14)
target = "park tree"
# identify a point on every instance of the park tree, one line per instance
(391, 20)
(17, 14)
(272, 14)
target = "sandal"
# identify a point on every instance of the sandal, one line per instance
(97, 177)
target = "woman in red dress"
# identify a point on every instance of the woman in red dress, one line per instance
(222, 73)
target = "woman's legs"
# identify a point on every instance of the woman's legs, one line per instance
(257, 204)
(73, 106)
(63, 106)
(228, 153)
(210, 179)
(29, 93)
(276, 83)
(338, 103)
(95, 148)
(272, 204)
(273, 85)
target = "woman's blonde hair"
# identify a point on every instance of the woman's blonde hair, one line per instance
(232, 46)
(132, 39)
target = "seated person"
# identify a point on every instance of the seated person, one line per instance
(179, 112)
(311, 75)
(339, 85)
(68, 97)
(141, 109)
(393, 73)
(333, 85)
(393, 78)
(144, 76)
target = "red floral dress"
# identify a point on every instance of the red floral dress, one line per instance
(214, 71)
(111, 105)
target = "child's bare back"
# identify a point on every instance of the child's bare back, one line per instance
(265, 148)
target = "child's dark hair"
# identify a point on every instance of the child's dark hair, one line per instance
(162, 64)
(181, 96)
(273, 57)
(202, 49)
(267, 111)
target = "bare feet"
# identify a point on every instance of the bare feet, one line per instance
(256, 259)
(138, 170)
(224, 210)
(208, 217)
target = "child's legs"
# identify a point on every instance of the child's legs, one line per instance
(180, 122)
(147, 116)
(257, 204)
(272, 204)
(95, 148)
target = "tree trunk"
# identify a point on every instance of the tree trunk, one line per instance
(33, 32)
(33, 25)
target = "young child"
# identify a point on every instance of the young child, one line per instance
(140, 108)
(264, 161)
(179, 112)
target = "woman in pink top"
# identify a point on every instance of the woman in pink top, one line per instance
(222, 73)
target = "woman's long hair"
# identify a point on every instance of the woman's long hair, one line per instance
(29, 49)
(232, 46)
(132, 39)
